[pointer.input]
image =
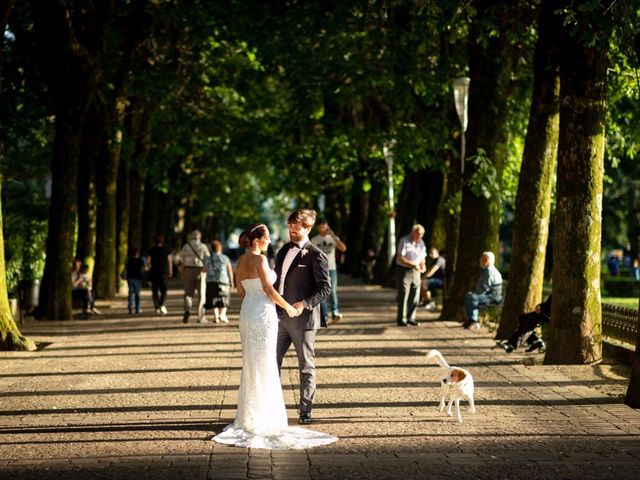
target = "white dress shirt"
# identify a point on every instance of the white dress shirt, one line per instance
(288, 260)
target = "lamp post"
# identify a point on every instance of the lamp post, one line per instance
(461, 99)
(387, 150)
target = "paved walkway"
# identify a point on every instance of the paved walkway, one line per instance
(119, 397)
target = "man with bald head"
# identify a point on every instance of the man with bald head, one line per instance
(410, 264)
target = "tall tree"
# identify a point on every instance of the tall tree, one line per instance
(633, 392)
(535, 185)
(575, 334)
(71, 76)
(117, 56)
(492, 58)
(10, 336)
(89, 150)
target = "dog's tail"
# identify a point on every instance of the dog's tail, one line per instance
(439, 358)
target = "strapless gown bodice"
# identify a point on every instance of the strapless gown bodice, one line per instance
(253, 286)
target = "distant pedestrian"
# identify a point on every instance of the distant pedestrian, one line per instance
(329, 242)
(410, 263)
(635, 270)
(160, 271)
(368, 262)
(133, 274)
(219, 282)
(192, 268)
(613, 264)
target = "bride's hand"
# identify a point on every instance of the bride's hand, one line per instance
(292, 312)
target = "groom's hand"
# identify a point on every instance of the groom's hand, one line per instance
(299, 306)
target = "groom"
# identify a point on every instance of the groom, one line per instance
(304, 282)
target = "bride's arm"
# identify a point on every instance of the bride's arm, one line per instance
(272, 293)
(239, 277)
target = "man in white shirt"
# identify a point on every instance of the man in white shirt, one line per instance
(410, 264)
(328, 242)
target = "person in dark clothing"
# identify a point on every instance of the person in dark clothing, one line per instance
(160, 271)
(134, 269)
(527, 323)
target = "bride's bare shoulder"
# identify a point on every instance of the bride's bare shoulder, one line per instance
(248, 265)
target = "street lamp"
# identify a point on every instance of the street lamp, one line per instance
(461, 99)
(387, 150)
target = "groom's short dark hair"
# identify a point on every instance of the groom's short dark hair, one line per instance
(305, 216)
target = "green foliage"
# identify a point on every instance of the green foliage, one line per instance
(621, 286)
(484, 181)
(24, 249)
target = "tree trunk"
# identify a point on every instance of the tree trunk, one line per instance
(407, 205)
(375, 227)
(533, 200)
(123, 201)
(150, 213)
(10, 336)
(136, 200)
(358, 211)
(105, 274)
(575, 332)
(490, 69)
(89, 149)
(431, 183)
(141, 142)
(449, 212)
(72, 76)
(633, 391)
(633, 228)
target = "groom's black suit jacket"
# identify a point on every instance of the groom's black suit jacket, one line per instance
(307, 280)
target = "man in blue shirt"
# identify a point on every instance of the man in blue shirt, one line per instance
(488, 291)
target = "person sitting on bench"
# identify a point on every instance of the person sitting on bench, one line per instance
(525, 332)
(81, 287)
(488, 291)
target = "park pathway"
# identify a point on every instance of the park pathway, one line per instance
(139, 397)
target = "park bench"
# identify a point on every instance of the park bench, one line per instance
(619, 324)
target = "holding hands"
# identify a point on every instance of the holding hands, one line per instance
(292, 311)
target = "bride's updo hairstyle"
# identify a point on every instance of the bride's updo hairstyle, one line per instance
(257, 230)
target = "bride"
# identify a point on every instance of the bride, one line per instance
(261, 419)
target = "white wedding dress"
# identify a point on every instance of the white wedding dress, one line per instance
(261, 420)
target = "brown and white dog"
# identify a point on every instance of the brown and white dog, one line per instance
(456, 385)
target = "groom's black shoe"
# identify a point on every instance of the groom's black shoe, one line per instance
(305, 418)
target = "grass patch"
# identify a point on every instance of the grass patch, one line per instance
(622, 302)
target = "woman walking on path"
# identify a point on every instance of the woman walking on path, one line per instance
(219, 282)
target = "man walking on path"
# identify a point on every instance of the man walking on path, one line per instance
(410, 264)
(192, 268)
(328, 242)
(160, 271)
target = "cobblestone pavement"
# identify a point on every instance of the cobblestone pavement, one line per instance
(120, 396)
